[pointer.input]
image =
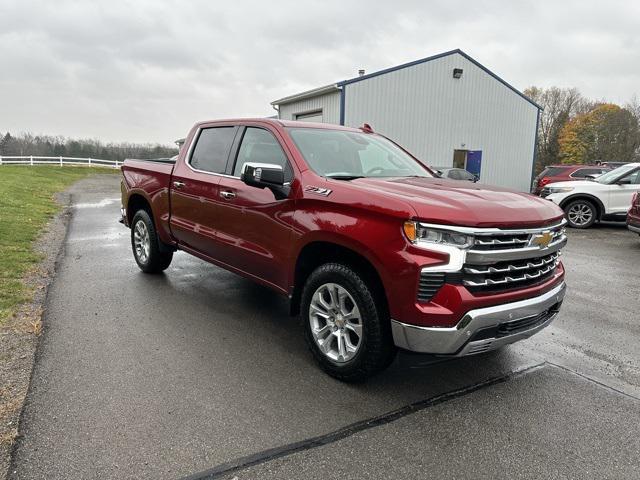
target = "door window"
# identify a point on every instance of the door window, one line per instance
(212, 149)
(583, 172)
(260, 146)
(632, 178)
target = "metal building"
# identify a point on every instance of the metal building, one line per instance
(448, 110)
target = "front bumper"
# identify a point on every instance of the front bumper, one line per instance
(633, 223)
(483, 329)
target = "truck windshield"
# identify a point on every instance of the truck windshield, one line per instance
(347, 155)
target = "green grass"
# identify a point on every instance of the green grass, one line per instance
(26, 205)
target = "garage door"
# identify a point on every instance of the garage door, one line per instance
(310, 117)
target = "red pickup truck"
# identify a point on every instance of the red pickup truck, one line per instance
(373, 250)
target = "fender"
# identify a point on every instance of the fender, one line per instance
(587, 196)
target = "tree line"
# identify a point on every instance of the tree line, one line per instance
(58, 146)
(576, 130)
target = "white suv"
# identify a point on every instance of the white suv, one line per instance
(607, 197)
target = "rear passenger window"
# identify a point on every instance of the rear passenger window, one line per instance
(583, 172)
(260, 146)
(212, 149)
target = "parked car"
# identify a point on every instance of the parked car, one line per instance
(565, 173)
(612, 165)
(608, 197)
(455, 173)
(633, 216)
(372, 250)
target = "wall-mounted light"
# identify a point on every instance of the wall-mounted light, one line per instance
(457, 72)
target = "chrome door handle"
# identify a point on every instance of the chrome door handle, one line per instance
(227, 194)
(178, 185)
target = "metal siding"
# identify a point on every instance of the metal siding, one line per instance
(430, 113)
(328, 103)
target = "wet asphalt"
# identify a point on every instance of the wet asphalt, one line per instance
(199, 373)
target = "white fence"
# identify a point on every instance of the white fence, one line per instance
(60, 161)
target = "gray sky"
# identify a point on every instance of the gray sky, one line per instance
(147, 70)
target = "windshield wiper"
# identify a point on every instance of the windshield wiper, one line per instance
(345, 177)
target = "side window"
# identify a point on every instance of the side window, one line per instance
(212, 149)
(455, 175)
(583, 172)
(634, 178)
(260, 146)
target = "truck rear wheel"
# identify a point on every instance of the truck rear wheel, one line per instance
(146, 245)
(347, 331)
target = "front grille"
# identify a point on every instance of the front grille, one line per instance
(511, 274)
(429, 285)
(501, 242)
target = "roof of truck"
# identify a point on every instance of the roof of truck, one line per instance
(283, 123)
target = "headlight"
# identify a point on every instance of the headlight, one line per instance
(559, 189)
(417, 233)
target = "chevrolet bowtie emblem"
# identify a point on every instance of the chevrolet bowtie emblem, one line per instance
(542, 240)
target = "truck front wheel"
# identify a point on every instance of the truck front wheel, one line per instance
(146, 245)
(347, 331)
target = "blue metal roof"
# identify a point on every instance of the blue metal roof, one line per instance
(435, 57)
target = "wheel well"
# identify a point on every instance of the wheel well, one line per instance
(318, 253)
(137, 202)
(596, 201)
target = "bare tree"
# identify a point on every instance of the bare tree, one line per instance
(559, 106)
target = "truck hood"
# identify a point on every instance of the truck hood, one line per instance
(456, 202)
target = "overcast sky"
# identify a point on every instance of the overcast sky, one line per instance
(147, 70)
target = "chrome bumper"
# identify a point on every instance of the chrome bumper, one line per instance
(459, 340)
(633, 228)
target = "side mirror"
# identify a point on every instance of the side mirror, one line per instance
(476, 178)
(265, 175)
(624, 181)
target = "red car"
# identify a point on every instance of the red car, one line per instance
(633, 217)
(565, 173)
(373, 250)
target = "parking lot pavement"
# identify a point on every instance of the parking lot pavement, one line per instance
(166, 376)
(531, 427)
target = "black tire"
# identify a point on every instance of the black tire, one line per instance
(586, 219)
(157, 260)
(376, 349)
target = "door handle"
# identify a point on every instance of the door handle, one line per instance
(178, 185)
(227, 194)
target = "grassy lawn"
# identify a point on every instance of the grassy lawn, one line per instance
(26, 205)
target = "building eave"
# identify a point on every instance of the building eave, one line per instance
(307, 94)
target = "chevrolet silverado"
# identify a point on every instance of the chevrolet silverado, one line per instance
(373, 250)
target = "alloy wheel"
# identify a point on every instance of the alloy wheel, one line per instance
(335, 322)
(141, 241)
(580, 214)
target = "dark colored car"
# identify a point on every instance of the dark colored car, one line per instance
(373, 251)
(565, 173)
(455, 173)
(633, 217)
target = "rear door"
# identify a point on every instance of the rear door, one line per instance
(194, 188)
(254, 228)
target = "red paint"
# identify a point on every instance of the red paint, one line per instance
(633, 217)
(259, 237)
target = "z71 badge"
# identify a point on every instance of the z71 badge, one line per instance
(325, 192)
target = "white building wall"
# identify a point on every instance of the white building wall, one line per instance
(329, 103)
(430, 113)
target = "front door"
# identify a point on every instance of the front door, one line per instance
(620, 193)
(253, 227)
